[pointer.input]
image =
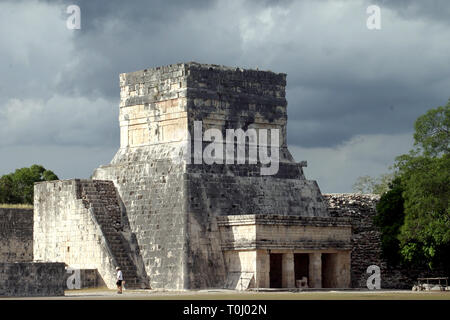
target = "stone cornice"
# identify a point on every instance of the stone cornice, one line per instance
(254, 219)
(302, 244)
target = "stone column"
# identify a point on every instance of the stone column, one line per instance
(343, 269)
(288, 274)
(315, 270)
(262, 276)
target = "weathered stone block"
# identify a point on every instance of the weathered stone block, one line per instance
(16, 235)
(32, 279)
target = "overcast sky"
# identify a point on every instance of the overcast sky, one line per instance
(353, 93)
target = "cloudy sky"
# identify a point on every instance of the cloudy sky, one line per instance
(353, 93)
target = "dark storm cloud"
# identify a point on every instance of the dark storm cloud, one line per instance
(353, 81)
(60, 87)
(342, 79)
(329, 116)
(120, 36)
(349, 80)
(434, 10)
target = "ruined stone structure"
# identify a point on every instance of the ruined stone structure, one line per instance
(79, 222)
(365, 240)
(173, 222)
(360, 209)
(31, 279)
(19, 274)
(16, 235)
(83, 279)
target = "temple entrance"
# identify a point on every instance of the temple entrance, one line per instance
(276, 265)
(301, 266)
(329, 270)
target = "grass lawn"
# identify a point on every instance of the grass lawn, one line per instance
(16, 206)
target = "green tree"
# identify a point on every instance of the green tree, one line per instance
(432, 134)
(425, 176)
(389, 218)
(7, 189)
(368, 184)
(413, 214)
(18, 187)
(363, 184)
(426, 229)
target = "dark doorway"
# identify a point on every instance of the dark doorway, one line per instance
(301, 266)
(328, 270)
(276, 265)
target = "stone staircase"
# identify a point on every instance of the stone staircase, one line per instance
(101, 197)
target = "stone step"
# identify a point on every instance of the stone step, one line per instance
(107, 221)
(124, 259)
(101, 197)
(109, 217)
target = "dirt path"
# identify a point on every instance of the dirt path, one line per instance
(104, 294)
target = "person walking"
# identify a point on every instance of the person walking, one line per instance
(119, 280)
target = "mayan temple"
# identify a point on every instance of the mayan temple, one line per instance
(172, 222)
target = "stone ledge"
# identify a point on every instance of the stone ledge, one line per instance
(251, 219)
(302, 244)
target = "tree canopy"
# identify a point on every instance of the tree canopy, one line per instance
(426, 229)
(432, 135)
(18, 187)
(416, 226)
(390, 217)
(368, 184)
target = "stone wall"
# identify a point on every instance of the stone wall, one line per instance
(16, 235)
(32, 279)
(153, 106)
(366, 243)
(77, 227)
(366, 249)
(152, 190)
(83, 279)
